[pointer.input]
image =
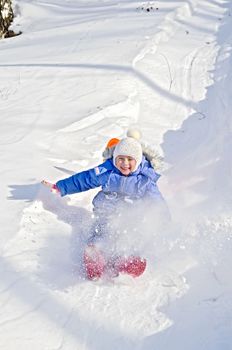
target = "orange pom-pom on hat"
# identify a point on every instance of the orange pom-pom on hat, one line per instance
(112, 142)
(109, 150)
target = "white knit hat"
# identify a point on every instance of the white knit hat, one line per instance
(129, 147)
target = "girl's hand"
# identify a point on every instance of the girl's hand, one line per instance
(53, 188)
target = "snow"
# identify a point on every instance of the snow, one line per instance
(82, 72)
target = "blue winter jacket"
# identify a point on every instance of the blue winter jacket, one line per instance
(116, 187)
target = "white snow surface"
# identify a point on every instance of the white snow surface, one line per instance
(84, 71)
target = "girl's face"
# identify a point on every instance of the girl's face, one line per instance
(125, 164)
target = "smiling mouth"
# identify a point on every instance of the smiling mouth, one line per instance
(125, 168)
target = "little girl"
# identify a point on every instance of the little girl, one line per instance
(127, 178)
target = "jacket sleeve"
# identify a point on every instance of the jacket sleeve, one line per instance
(79, 182)
(157, 204)
(154, 192)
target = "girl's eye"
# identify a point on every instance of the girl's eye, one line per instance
(123, 159)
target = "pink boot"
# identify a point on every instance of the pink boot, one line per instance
(132, 265)
(94, 262)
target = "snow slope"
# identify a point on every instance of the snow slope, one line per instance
(81, 72)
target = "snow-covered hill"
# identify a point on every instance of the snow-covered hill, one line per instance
(82, 72)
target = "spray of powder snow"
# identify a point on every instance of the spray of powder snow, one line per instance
(133, 229)
(148, 231)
